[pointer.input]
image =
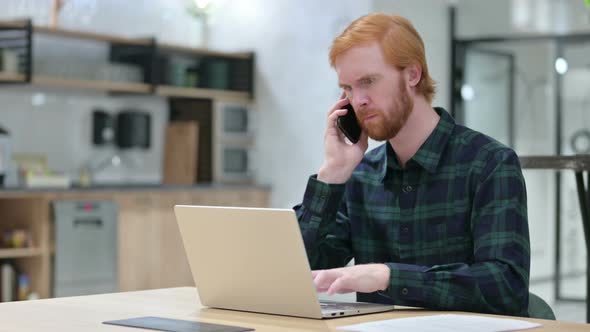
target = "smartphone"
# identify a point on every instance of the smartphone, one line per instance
(349, 125)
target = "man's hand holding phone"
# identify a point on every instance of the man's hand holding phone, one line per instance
(340, 157)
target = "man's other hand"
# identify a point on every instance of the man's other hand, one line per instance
(365, 278)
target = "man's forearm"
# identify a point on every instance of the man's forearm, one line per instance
(325, 231)
(491, 287)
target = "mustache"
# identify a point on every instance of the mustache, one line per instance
(367, 113)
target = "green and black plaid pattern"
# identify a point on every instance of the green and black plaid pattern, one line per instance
(451, 225)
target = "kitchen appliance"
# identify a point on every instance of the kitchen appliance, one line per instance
(85, 260)
(103, 127)
(133, 129)
(233, 142)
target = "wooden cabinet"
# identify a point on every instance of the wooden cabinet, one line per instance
(29, 214)
(151, 254)
(150, 250)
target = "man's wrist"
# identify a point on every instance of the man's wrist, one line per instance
(385, 276)
(333, 176)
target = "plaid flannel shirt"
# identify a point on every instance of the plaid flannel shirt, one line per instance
(451, 225)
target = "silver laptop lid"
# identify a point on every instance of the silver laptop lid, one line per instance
(248, 259)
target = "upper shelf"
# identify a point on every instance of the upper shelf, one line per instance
(69, 83)
(23, 24)
(203, 51)
(12, 77)
(155, 59)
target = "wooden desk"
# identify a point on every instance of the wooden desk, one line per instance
(86, 313)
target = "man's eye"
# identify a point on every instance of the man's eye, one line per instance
(368, 81)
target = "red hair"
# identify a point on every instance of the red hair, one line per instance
(400, 43)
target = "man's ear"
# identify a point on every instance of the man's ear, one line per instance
(413, 74)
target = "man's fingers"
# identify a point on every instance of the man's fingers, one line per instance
(320, 281)
(331, 122)
(323, 279)
(339, 104)
(338, 286)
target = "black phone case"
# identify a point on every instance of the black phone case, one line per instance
(349, 126)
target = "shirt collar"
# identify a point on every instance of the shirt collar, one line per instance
(429, 154)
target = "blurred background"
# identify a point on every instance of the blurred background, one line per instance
(114, 111)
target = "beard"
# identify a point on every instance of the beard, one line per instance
(393, 121)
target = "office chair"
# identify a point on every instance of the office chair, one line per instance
(538, 308)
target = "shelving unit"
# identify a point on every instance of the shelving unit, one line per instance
(175, 91)
(91, 36)
(121, 87)
(29, 213)
(12, 77)
(20, 252)
(156, 60)
(203, 52)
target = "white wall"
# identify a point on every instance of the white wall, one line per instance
(295, 85)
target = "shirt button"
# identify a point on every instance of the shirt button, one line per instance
(407, 189)
(404, 291)
(405, 229)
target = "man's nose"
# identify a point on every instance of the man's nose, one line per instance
(360, 101)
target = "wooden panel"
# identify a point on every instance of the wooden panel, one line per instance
(180, 153)
(20, 252)
(200, 111)
(17, 24)
(175, 91)
(139, 243)
(202, 51)
(92, 36)
(12, 77)
(70, 83)
(174, 269)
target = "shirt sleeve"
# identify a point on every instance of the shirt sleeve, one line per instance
(324, 225)
(497, 280)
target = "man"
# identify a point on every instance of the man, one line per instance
(436, 216)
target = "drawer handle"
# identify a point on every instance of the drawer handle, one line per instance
(88, 222)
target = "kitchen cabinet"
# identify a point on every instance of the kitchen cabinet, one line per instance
(150, 250)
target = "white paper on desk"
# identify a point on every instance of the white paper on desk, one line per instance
(444, 323)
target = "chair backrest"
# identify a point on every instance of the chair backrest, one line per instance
(538, 308)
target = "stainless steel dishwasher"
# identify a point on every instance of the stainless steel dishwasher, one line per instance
(85, 260)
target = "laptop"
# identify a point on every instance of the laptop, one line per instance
(254, 259)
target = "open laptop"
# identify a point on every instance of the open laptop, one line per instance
(254, 259)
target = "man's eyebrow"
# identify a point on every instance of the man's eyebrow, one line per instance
(364, 77)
